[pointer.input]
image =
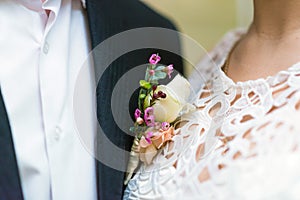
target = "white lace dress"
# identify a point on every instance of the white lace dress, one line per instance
(242, 142)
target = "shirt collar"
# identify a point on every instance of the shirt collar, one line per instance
(35, 5)
(53, 5)
(38, 5)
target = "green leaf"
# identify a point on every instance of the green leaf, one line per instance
(138, 129)
(132, 129)
(154, 82)
(142, 96)
(145, 84)
(160, 68)
(147, 101)
(147, 75)
(159, 75)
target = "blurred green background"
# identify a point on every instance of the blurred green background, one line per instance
(206, 21)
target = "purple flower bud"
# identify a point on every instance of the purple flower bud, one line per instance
(148, 112)
(149, 134)
(148, 137)
(148, 140)
(155, 96)
(137, 113)
(151, 72)
(165, 126)
(159, 93)
(154, 59)
(163, 95)
(150, 121)
(154, 87)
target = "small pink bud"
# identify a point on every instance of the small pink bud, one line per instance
(150, 121)
(149, 111)
(165, 126)
(151, 72)
(148, 137)
(163, 95)
(159, 93)
(139, 120)
(154, 87)
(137, 113)
(154, 59)
(169, 70)
(155, 96)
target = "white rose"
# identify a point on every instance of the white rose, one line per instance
(168, 109)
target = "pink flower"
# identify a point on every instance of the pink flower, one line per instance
(148, 137)
(149, 120)
(149, 117)
(154, 59)
(137, 114)
(149, 111)
(149, 150)
(151, 72)
(169, 70)
(165, 126)
(161, 137)
(139, 120)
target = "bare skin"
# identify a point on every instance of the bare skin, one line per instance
(272, 43)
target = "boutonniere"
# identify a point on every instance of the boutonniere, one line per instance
(159, 107)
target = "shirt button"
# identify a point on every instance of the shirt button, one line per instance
(58, 132)
(46, 48)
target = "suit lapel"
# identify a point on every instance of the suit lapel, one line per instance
(107, 18)
(103, 25)
(10, 187)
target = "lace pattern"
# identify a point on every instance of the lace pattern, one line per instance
(241, 138)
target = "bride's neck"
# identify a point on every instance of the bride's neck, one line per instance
(272, 42)
(275, 19)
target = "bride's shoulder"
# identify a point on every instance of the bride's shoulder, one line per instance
(214, 59)
(224, 45)
(231, 36)
(228, 40)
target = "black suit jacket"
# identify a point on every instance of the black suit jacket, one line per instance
(106, 18)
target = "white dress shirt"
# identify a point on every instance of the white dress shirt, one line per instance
(40, 58)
